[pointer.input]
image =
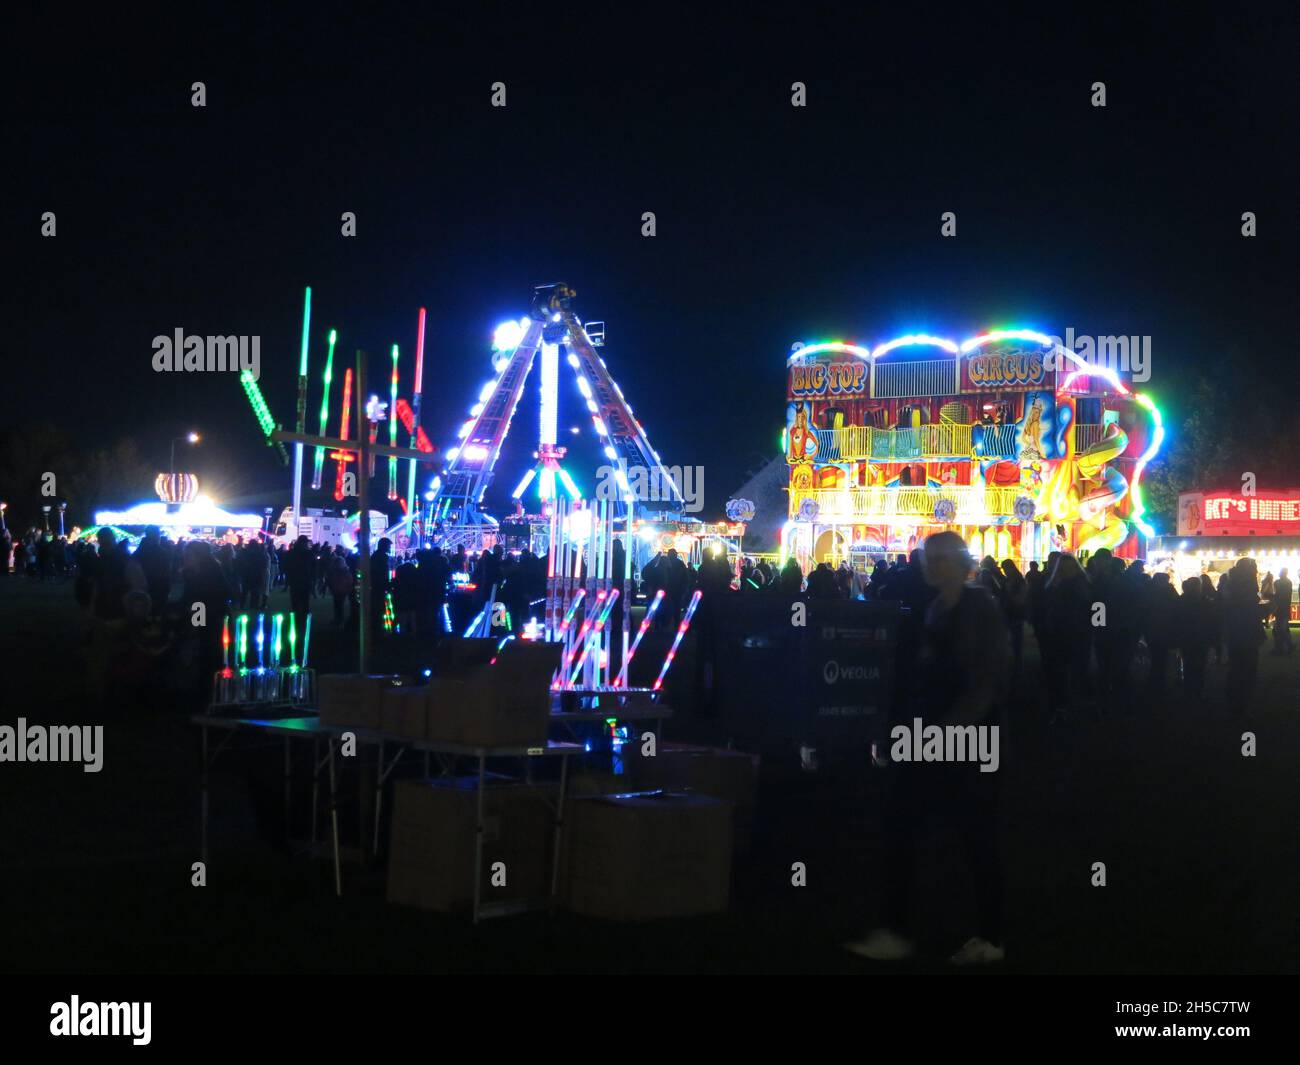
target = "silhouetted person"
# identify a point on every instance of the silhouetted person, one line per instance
(299, 575)
(1243, 621)
(1067, 648)
(964, 668)
(1195, 633)
(1014, 600)
(1282, 589)
(1161, 630)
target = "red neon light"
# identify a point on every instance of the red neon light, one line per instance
(407, 417)
(343, 457)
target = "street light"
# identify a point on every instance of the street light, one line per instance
(62, 507)
(190, 438)
(45, 511)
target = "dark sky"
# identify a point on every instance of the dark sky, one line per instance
(775, 224)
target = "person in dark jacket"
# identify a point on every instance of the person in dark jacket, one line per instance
(964, 666)
(1244, 623)
(299, 576)
(1161, 630)
(1195, 632)
(1068, 602)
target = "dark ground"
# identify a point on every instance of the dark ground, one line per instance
(1199, 843)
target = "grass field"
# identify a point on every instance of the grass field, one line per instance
(1199, 844)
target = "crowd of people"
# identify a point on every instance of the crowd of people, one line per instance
(1111, 635)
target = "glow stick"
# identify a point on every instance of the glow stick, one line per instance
(261, 638)
(582, 635)
(573, 609)
(277, 626)
(594, 638)
(681, 631)
(645, 624)
(242, 626)
(293, 640)
(225, 642)
(306, 640)
(324, 411)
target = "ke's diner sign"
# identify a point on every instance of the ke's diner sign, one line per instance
(1004, 368)
(843, 377)
(1235, 514)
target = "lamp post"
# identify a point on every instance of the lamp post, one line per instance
(45, 516)
(189, 438)
(62, 508)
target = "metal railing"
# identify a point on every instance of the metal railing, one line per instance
(973, 503)
(997, 441)
(1087, 435)
(860, 443)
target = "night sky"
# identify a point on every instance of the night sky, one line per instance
(775, 223)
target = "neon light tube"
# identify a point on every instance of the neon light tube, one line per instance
(392, 428)
(582, 635)
(645, 624)
(594, 637)
(324, 411)
(343, 457)
(681, 631)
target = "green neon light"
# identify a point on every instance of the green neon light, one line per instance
(319, 461)
(258, 402)
(306, 323)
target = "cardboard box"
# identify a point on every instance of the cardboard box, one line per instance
(503, 705)
(649, 855)
(590, 783)
(455, 657)
(404, 712)
(431, 853)
(724, 774)
(349, 699)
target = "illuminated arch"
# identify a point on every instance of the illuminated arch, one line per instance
(914, 340)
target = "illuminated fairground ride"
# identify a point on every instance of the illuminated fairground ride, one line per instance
(589, 544)
(1009, 439)
(471, 462)
(589, 564)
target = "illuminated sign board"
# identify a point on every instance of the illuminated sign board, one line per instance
(1235, 514)
(1004, 369)
(844, 377)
